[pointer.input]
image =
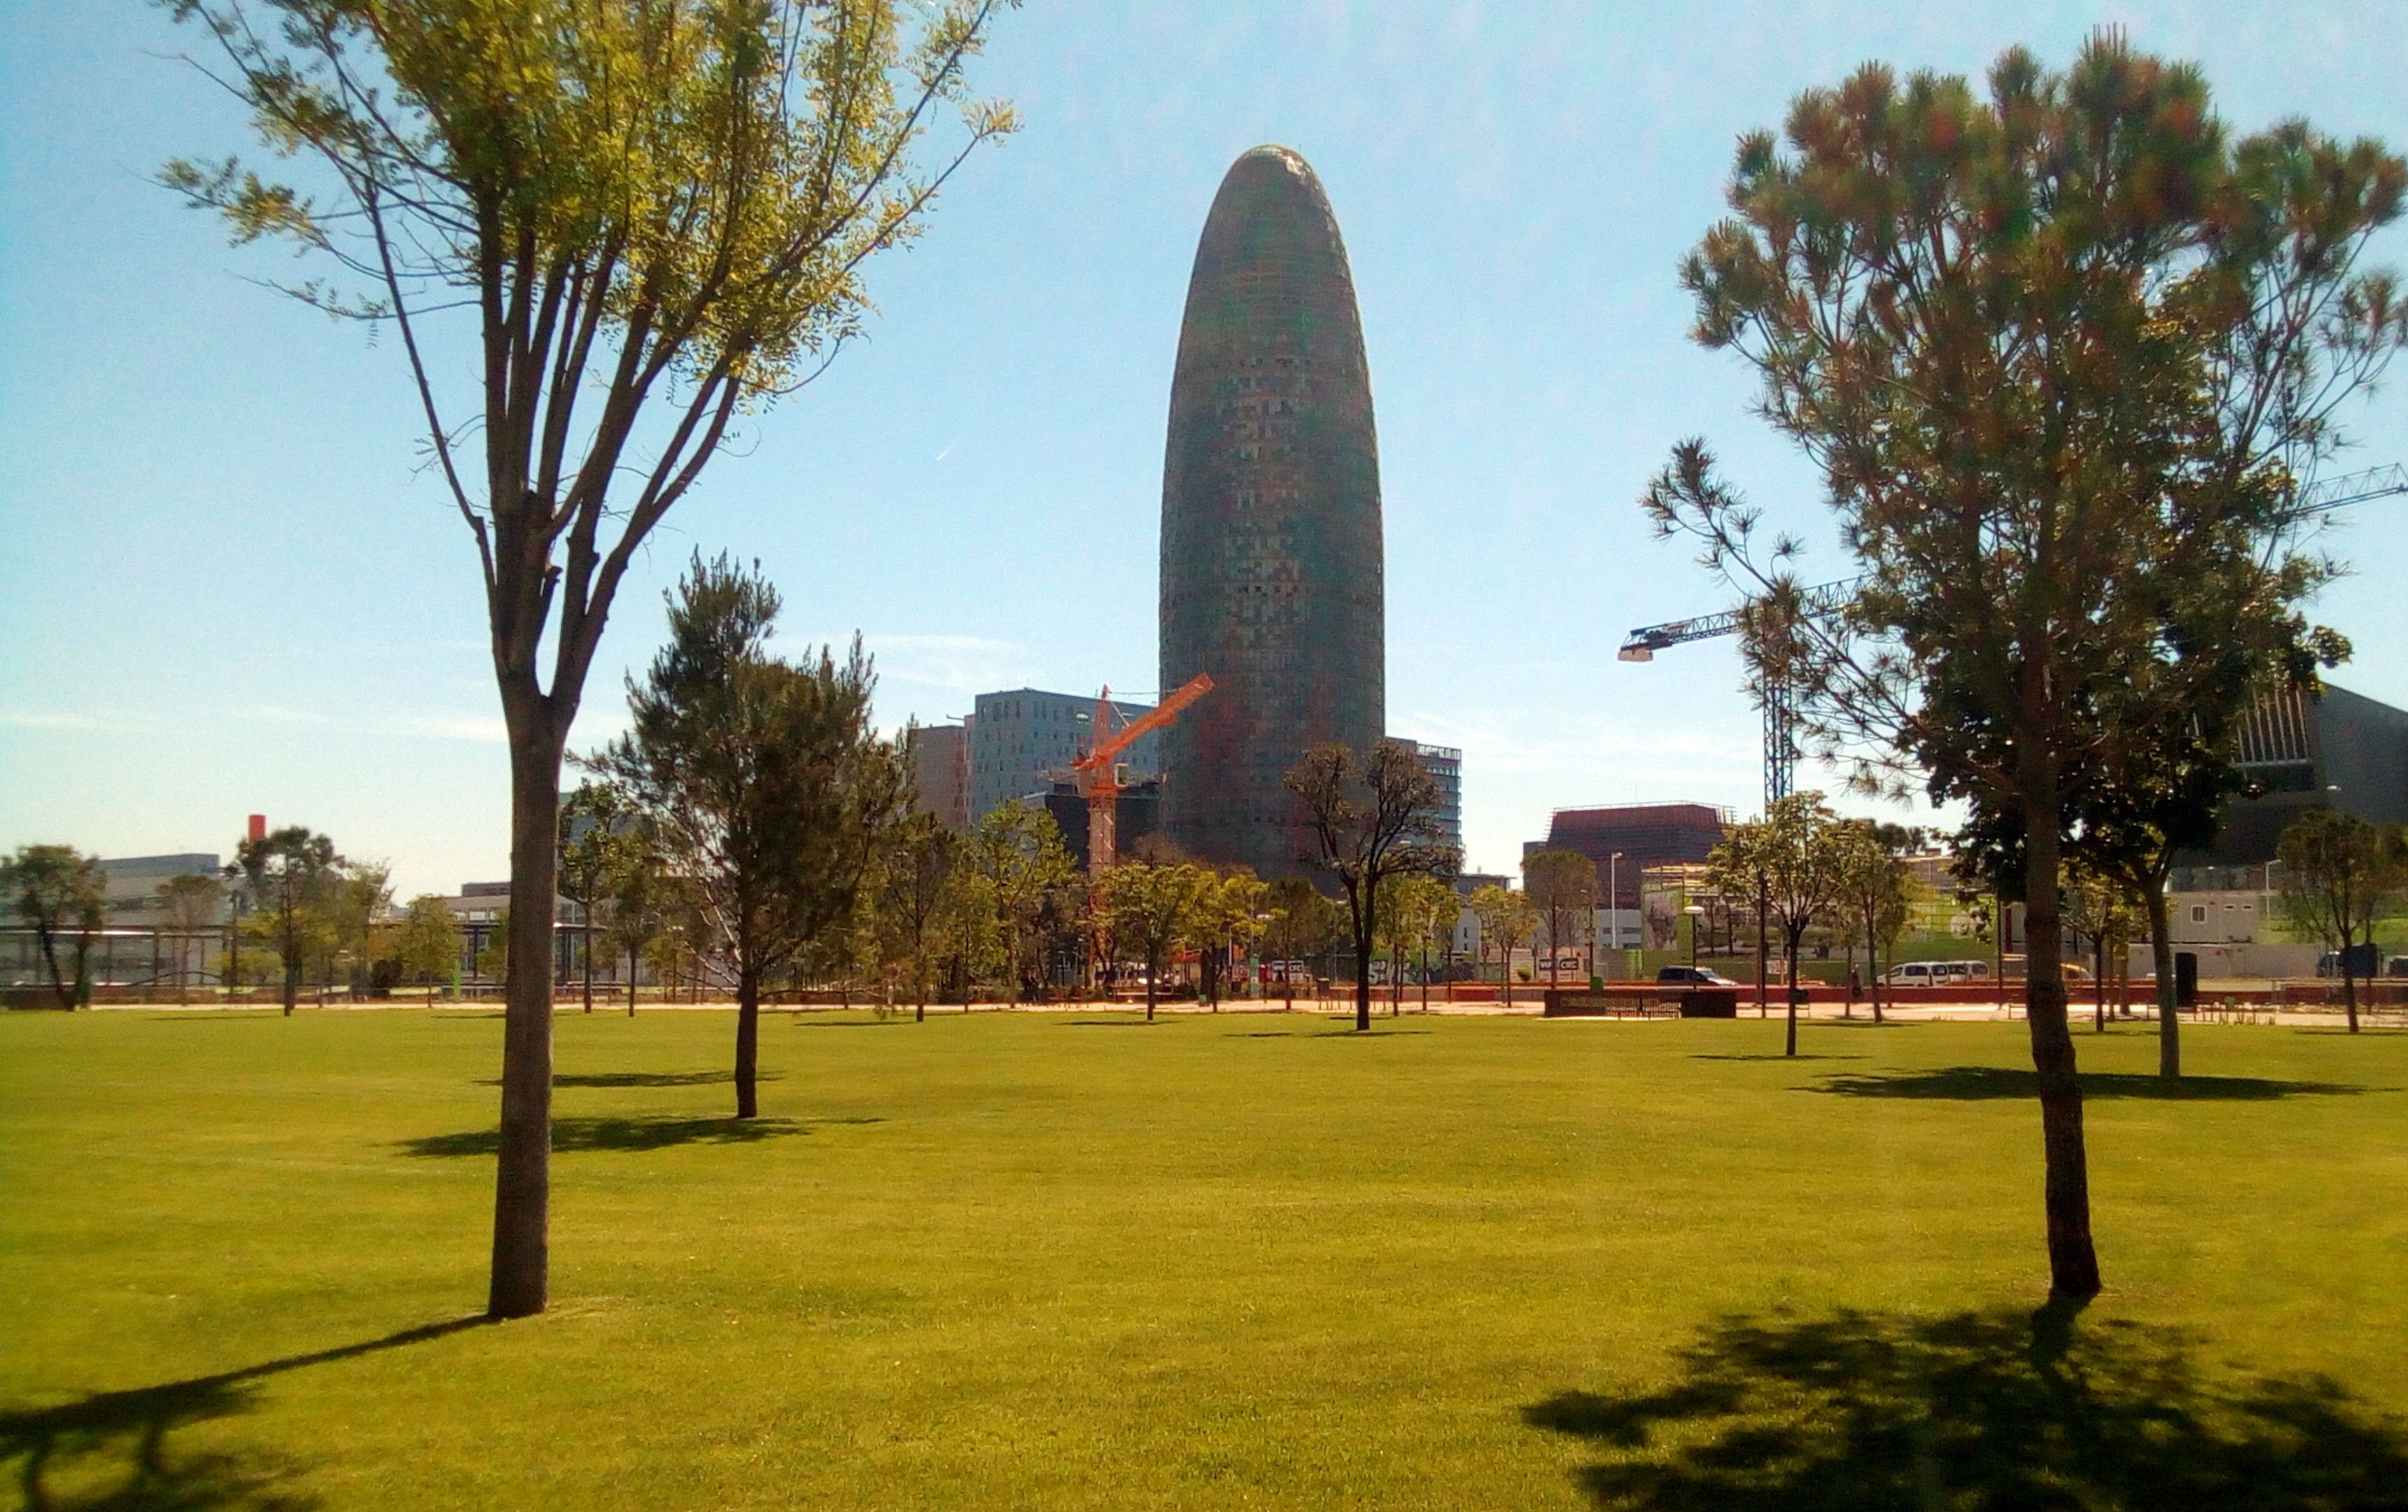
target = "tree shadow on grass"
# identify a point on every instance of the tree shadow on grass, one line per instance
(113, 1451)
(641, 1078)
(1983, 1410)
(1974, 1084)
(624, 1134)
(1133, 1022)
(1775, 1054)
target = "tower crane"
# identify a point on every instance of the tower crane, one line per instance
(1781, 714)
(1098, 767)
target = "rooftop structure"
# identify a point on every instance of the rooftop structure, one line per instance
(1645, 834)
(1271, 565)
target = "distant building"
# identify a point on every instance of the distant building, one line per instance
(1445, 763)
(940, 762)
(133, 883)
(1645, 834)
(1020, 740)
(2340, 750)
(1272, 574)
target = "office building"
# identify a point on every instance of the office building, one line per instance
(1271, 565)
(1021, 740)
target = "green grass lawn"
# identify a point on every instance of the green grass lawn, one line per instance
(1247, 1261)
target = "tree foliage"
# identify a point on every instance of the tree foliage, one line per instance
(426, 942)
(1563, 886)
(1372, 818)
(1797, 860)
(59, 891)
(2062, 355)
(764, 782)
(650, 217)
(289, 876)
(1018, 853)
(2337, 873)
(1155, 911)
(1508, 921)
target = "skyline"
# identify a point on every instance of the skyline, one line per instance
(225, 592)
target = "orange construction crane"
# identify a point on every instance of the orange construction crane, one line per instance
(1099, 768)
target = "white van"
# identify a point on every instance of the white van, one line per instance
(1913, 973)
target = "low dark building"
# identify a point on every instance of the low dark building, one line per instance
(2338, 751)
(1138, 815)
(1644, 834)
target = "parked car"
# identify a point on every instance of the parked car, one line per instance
(2397, 966)
(1913, 973)
(1692, 976)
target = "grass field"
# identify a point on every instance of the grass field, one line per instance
(1247, 1261)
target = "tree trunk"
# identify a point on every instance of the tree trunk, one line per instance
(2348, 977)
(2098, 965)
(2161, 957)
(748, 1041)
(1763, 907)
(59, 987)
(292, 966)
(1152, 982)
(2072, 1260)
(1363, 969)
(583, 913)
(523, 1177)
(1792, 993)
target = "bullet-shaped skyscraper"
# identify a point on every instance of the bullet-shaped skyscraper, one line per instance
(1272, 568)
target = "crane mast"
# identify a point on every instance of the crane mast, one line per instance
(1098, 767)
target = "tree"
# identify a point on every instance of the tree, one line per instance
(356, 903)
(2099, 908)
(1562, 885)
(1372, 819)
(651, 216)
(643, 897)
(765, 783)
(58, 890)
(2337, 873)
(1426, 909)
(1302, 925)
(1230, 919)
(192, 903)
(1017, 849)
(1872, 891)
(591, 856)
(1507, 919)
(1797, 856)
(918, 874)
(2061, 356)
(426, 944)
(1155, 910)
(288, 872)
(1410, 909)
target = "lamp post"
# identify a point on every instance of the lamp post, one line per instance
(1696, 912)
(1614, 896)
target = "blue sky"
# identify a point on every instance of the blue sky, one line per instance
(226, 586)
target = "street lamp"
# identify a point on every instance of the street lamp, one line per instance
(1614, 896)
(1696, 912)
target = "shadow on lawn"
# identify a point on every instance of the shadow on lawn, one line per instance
(641, 1078)
(1865, 1410)
(624, 1134)
(112, 1450)
(1775, 1054)
(1973, 1084)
